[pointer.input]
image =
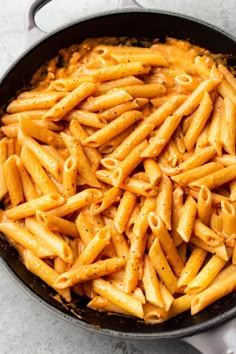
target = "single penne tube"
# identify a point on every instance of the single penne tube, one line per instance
(176, 206)
(110, 99)
(84, 273)
(110, 163)
(226, 90)
(10, 147)
(162, 136)
(206, 234)
(214, 133)
(113, 129)
(191, 268)
(119, 241)
(57, 224)
(10, 130)
(93, 248)
(55, 127)
(137, 136)
(228, 126)
(145, 91)
(44, 101)
(104, 87)
(203, 64)
(225, 159)
(202, 140)
(213, 293)
(120, 70)
(84, 226)
(15, 117)
(178, 140)
(50, 239)
(103, 49)
(232, 188)
(3, 158)
(77, 201)
(131, 184)
(187, 219)
(29, 189)
(13, 181)
(164, 200)
(39, 93)
(151, 284)
(59, 265)
(127, 165)
(167, 297)
(225, 272)
(220, 251)
(113, 112)
(228, 75)
(109, 147)
(69, 177)
(216, 198)
(153, 59)
(159, 230)
(39, 268)
(197, 159)
(216, 222)
(37, 173)
(124, 210)
(216, 179)
(162, 266)
(21, 235)
(42, 134)
(111, 196)
(67, 103)
(228, 218)
(180, 305)
(197, 124)
(153, 170)
(118, 297)
(166, 109)
(50, 164)
(195, 173)
(204, 205)
(69, 83)
(83, 166)
(206, 275)
(99, 303)
(29, 208)
(154, 314)
(86, 118)
(132, 219)
(141, 223)
(79, 133)
(186, 81)
(134, 262)
(191, 103)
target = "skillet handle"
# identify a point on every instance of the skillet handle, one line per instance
(34, 33)
(124, 4)
(219, 340)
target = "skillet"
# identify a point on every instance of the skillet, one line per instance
(117, 23)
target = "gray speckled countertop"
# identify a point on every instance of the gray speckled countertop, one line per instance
(26, 327)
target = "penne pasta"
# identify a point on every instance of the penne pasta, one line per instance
(118, 179)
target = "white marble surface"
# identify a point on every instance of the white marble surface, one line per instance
(26, 327)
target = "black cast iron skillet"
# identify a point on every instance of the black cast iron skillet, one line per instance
(138, 23)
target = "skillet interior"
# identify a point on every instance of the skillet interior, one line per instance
(129, 23)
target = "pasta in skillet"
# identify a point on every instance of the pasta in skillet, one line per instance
(118, 176)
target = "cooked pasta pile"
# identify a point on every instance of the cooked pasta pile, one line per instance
(118, 177)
